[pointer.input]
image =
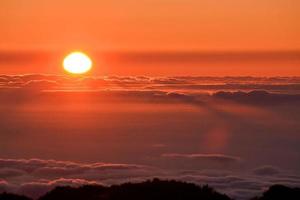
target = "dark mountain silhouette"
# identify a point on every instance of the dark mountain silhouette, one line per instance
(280, 192)
(148, 190)
(153, 190)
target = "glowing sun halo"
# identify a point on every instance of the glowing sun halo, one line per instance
(77, 63)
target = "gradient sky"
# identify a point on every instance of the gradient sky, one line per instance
(205, 25)
(206, 91)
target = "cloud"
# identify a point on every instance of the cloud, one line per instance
(266, 170)
(196, 91)
(52, 168)
(258, 97)
(41, 84)
(183, 84)
(8, 172)
(211, 157)
(54, 171)
(213, 117)
(39, 188)
(203, 161)
(35, 177)
(4, 186)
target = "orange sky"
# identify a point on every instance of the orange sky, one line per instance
(150, 24)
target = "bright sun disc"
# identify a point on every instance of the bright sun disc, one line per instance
(77, 63)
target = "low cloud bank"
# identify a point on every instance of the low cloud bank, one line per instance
(185, 83)
(34, 177)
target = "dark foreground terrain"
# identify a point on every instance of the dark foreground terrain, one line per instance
(152, 190)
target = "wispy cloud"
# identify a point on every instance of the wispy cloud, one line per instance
(35, 176)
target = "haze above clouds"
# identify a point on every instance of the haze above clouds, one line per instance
(238, 134)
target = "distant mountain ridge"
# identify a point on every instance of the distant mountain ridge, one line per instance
(152, 190)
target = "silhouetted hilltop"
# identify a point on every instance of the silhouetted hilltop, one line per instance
(148, 190)
(280, 192)
(89, 192)
(153, 190)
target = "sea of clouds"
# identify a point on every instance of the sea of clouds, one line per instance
(237, 134)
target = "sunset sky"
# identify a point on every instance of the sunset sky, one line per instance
(203, 91)
(205, 25)
(31, 27)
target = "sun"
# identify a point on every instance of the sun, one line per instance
(77, 63)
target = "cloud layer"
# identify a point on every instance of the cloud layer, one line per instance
(35, 177)
(185, 83)
(237, 134)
